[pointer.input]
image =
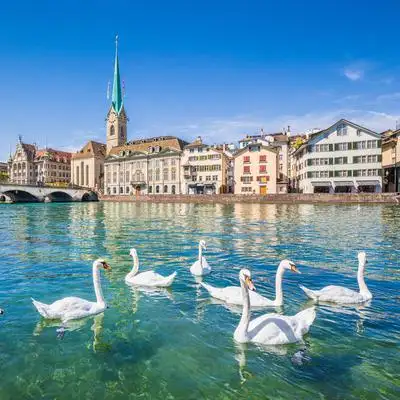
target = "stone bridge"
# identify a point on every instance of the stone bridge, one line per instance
(12, 193)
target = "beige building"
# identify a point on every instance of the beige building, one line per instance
(279, 141)
(391, 161)
(256, 169)
(33, 166)
(87, 166)
(206, 169)
(146, 166)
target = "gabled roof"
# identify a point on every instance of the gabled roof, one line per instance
(91, 149)
(55, 155)
(247, 149)
(144, 145)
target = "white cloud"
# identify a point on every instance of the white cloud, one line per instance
(388, 97)
(232, 129)
(354, 74)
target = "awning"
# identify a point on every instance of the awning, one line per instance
(368, 183)
(343, 183)
(321, 183)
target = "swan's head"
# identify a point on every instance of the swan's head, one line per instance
(290, 265)
(202, 244)
(100, 263)
(362, 258)
(133, 252)
(245, 277)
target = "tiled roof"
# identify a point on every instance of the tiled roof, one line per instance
(55, 155)
(91, 149)
(143, 145)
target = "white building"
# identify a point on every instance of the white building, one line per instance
(345, 158)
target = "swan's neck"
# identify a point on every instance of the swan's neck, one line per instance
(135, 267)
(200, 256)
(97, 286)
(242, 328)
(361, 283)
(278, 286)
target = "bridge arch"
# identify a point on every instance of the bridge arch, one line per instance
(58, 196)
(90, 196)
(20, 196)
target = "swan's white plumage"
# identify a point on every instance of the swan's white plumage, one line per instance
(340, 294)
(270, 329)
(70, 308)
(147, 278)
(200, 267)
(233, 294)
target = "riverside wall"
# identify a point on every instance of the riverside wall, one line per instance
(288, 198)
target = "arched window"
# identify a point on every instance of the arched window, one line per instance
(121, 132)
(173, 189)
(165, 189)
(157, 189)
(150, 189)
(112, 130)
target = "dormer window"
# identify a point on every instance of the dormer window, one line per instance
(157, 149)
(150, 149)
(342, 130)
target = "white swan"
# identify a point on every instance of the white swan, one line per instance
(147, 278)
(270, 329)
(201, 266)
(233, 294)
(340, 294)
(71, 308)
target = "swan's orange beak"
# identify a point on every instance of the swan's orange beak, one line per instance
(250, 284)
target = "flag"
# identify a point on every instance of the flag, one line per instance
(108, 90)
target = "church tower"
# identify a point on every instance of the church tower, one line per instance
(116, 117)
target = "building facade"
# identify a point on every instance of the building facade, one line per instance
(205, 169)
(87, 166)
(256, 169)
(345, 158)
(32, 166)
(279, 141)
(391, 161)
(146, 166)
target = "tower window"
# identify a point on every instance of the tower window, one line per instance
(112, 130)
(121, 132)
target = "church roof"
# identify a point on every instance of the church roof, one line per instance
(91, 149)
(117, 98)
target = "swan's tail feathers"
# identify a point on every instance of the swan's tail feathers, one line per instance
(210, 289)
(42, 308)
(306, 319)
(311, 294)
(169, 279)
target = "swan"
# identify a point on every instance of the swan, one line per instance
(201, 266)
(70, 308)
(340, 294)
(147, 278)
(269, 329)
(233, 294)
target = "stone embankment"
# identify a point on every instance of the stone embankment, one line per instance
(289, 198)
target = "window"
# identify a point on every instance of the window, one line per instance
(127, 176)
(263, 158)
(165, 189)
(173, 174)
(246, 169)
(114, 190)
(263, 168)
(342, 130)
(342, 146)
(208, 178)
(359, 132)
(200, 178)
(215, 177)
(341, 160)
(246, 159)
(121, 132)
(165, 174)
(173, 189)
(112, 130)
(127, 190)
(150, 174)
(246, 189)
(157, 174)
(246, 179)
(157, 189)
(150, 189)
(121, 189)
(173, 162)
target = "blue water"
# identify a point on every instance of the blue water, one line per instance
(177, 343)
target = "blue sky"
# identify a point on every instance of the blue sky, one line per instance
(219, 69)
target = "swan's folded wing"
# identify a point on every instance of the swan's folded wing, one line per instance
(271, 329)
(334, 293)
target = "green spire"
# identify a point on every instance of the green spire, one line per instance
(116, 99)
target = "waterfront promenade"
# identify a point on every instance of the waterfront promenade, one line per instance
(287, 198)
